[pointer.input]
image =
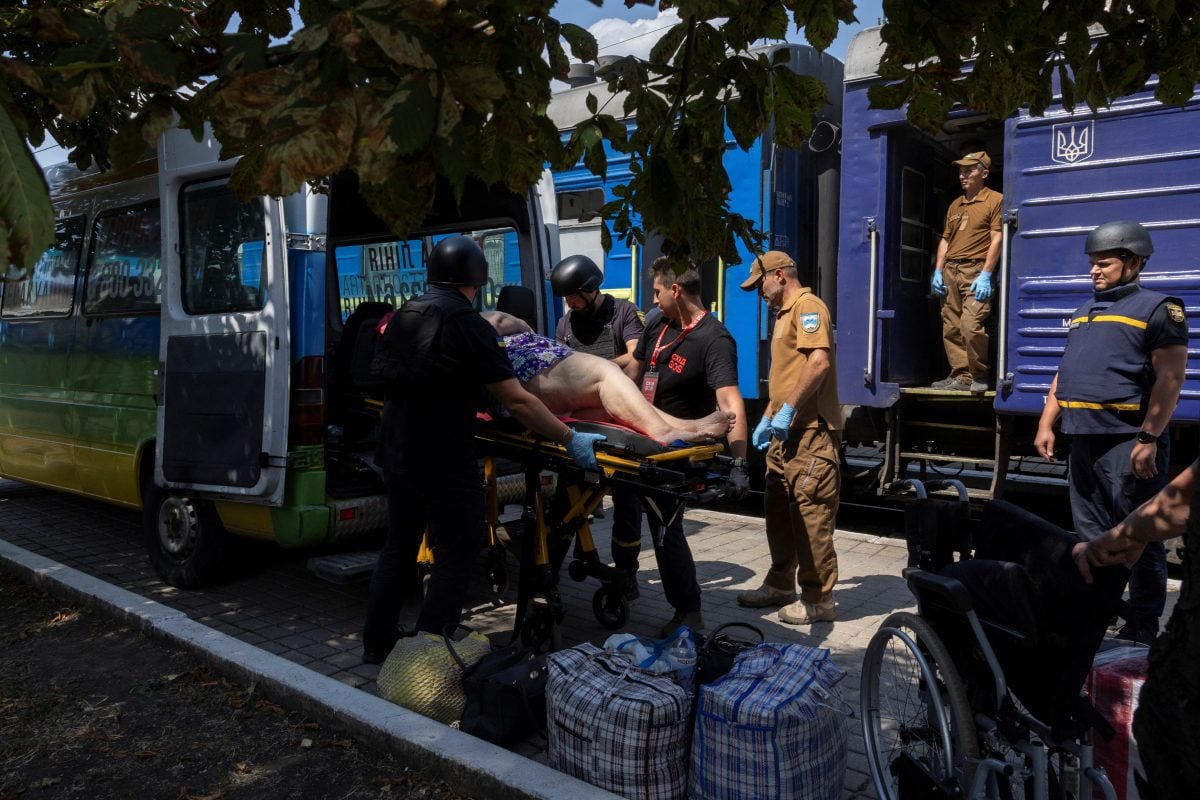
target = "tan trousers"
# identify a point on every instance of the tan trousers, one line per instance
(801, 503)
(963, 316)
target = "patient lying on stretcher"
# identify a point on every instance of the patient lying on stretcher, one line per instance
(589, 387)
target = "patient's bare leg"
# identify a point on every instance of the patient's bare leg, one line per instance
(585, 381)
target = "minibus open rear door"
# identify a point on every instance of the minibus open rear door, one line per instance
(224, 348)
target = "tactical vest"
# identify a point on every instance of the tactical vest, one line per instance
(1105, 377)
(606, 344)
(410, 358)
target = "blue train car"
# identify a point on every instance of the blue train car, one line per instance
(1062, 174)
(790, 194)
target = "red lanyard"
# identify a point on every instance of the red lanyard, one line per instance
(659, 346)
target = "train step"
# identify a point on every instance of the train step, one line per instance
(344, 567)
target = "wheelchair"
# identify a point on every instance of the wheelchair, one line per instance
(978, 694)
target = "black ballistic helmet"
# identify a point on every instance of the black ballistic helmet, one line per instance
(457, 261)
(1121, 235)
(575, 274)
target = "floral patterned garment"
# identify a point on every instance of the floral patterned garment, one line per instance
(531, 353)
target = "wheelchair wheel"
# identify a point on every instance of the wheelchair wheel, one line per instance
(917, 724)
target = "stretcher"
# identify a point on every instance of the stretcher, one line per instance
(666, 479)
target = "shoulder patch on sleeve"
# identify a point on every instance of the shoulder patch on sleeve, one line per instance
(1175, 312)
(810, 323)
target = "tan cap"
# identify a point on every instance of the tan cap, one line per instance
(767, 262)
(978, 157)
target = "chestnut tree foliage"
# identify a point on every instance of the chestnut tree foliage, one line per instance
(403, 91)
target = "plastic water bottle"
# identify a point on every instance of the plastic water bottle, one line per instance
(682, 657)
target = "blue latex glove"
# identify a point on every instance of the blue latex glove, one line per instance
(762, 434)
(781, 423)
(582, 449)
(937, 285)
(981, 287)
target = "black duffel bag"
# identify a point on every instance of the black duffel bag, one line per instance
(506, 695)
(715, 657)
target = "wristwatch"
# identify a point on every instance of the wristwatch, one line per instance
(739, 462)
(1146, 437)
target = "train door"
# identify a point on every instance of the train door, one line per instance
(224, 351)
(919, 185)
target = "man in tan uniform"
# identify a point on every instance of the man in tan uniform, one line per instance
(801, 433)
(962, 275)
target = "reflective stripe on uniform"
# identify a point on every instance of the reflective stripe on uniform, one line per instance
(1135, 323)
(1097, 406)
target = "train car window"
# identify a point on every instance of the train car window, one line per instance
(124, 273)
(49, 288)
(222, 254)
(914, 233)
(579, 225)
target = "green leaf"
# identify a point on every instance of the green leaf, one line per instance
(28, 219)
(406, 48)
(153, 22)
(582, 43)
(665, 47)
(591, 103)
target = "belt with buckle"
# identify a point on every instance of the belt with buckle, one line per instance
(965, 260)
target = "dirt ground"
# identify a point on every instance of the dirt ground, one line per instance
(90, 708)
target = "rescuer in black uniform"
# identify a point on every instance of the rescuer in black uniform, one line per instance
(602, 325)
(437, 356)
(1116, 388)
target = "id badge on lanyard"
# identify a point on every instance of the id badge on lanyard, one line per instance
(650, 385)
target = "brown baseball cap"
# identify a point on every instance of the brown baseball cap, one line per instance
(767, 262)
(978, 157)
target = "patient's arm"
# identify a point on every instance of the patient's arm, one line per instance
(506, 324)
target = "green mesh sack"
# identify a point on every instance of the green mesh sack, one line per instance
(424, 673)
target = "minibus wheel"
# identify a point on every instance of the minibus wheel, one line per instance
(185, 539)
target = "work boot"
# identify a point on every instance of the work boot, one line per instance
(691, 619)
(765, 596)
(803, 612)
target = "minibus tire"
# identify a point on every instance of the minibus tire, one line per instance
(188, 546)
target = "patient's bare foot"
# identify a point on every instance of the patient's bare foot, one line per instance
(715, 425)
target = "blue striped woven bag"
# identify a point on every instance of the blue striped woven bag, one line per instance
(774, 727)
(616, 726)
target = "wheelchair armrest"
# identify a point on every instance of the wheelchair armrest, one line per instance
(945, 588)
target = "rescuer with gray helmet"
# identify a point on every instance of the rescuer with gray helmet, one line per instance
(600, 324)
(437, 356)
(1116, 388)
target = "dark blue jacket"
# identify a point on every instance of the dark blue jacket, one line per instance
(1105, 378)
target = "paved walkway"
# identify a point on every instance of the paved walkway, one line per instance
(282, 608)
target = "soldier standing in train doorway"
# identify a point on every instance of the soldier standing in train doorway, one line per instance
(966, 256)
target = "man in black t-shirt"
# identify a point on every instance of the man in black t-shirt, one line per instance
(686, 364)
(604, 326)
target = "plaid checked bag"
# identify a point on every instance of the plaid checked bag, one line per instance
(774, 727)
(616, 726)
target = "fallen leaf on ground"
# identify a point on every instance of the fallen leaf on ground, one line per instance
(306, 743)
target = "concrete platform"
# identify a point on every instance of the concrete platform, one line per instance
(281, 609)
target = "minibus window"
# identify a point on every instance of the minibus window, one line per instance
(124, 273)
(393, 272)
(48, 289)
(223, 247)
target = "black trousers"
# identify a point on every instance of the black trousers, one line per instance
(453, 510)
(626, 528)
(676, 565)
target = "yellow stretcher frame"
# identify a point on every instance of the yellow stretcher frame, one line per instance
(665, 481)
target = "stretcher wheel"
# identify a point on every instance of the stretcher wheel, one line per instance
(539, 628)
(610, 606)
(578, 570)
(497, 570)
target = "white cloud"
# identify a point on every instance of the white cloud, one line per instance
(620, 37)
